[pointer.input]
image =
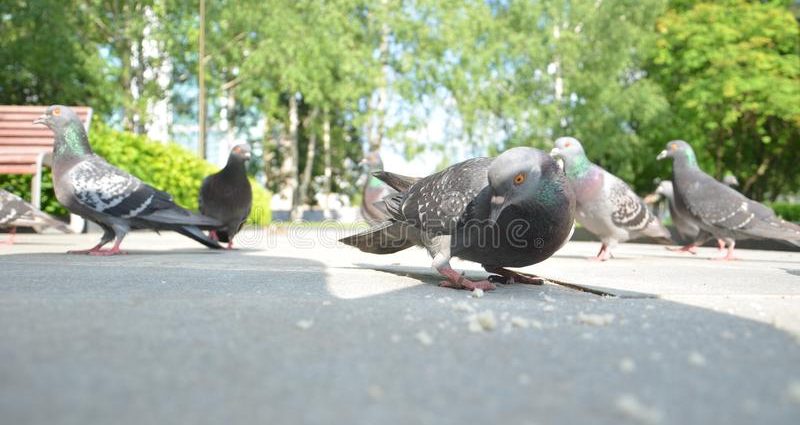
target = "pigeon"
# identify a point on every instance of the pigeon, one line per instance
(718, 209)
(689, 233)
(227, 195)
(731, 181)
(14, 212)
(606, 206)
(374, 190)
(510, 211)
(92, 188)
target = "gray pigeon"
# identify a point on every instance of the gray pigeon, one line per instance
(374, 190)
(606, 206)
(15, 212)
(511, 211)
(227, 195)
(719, 209)
(92, 188)
(690, 234)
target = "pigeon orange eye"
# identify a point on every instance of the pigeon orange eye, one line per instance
(674, 146)
(568, 144)
(519, 179)
(56, 111)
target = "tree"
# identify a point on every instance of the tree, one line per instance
(32, 34)
(522, 73)
(731, 72)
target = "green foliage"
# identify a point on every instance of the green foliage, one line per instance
(624, 76)
(167, 167)
(731, 72)
(32, 34)
(788, 211)
(525, 73)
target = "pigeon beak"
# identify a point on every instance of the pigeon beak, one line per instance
(662, 155)
(41, 120)
(498, 205)
(555, 152)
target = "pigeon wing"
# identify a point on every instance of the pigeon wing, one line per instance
(437, 204)
(12, 207)
(629, 211)
(105, 189)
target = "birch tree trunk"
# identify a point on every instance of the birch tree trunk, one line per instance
(290, 154)
(310, 155)
(326, 152)
(379, 114)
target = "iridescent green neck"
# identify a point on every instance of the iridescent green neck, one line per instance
(578, 167)
(375, 182)
(72, 142)
(690, 158)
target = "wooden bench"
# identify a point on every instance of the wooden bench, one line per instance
(26, 148)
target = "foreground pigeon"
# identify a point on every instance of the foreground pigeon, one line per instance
(606, 206)
(374, 190)
(719, 209)
(14, 212)
(510, 211)
(92, 188)
(227, 195)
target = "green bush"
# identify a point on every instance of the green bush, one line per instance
(167, 167)
(789, 212)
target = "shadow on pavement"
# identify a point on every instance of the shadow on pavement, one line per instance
(181, 338)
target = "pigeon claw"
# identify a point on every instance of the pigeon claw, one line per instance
(506, 276)
(497, 279)
(691, 249)
(468, 285)
(107, 252)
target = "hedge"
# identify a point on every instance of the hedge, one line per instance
(789, 212)
(168, 167)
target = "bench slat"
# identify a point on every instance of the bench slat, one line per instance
(17, 169)
(21, 141)
(36, 141)
(25, 132)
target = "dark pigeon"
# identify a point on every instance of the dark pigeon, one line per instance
(227, 195)
(719, 209)
(374, 190)
(511, 211)
(15, 212)
(606, 206)
(92, 188)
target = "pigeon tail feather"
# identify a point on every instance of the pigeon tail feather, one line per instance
(52, 222)
(175, 215)
(775, 228)
(397, 182)
(385, 238)
(195, 233)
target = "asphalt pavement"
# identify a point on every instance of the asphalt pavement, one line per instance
(294, 328)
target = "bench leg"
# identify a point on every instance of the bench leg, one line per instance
(36, 189)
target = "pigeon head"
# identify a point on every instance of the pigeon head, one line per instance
(679, 151)
(71, 139)
(519, 177)
(730, 180)
(241, 152)
(567, 147)
(665, 189)
(372, 162)
(570, 150)
(57, 117)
